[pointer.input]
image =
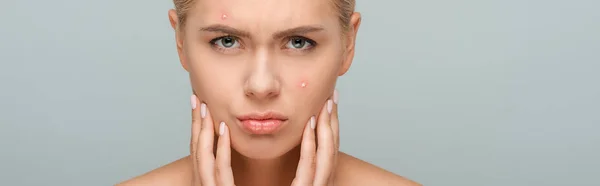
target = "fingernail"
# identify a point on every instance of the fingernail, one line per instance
(222, 128)
(203, 110)
(193, 101)
(312, 122)
(335, 96)
(329, 106)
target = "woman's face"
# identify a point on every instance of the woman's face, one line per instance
(264, 67)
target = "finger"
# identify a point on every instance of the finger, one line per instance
(306, 165)
(196, 125)
(205, 155)
(335, 131)
(335, 123)
(325, 147)
(223, 166)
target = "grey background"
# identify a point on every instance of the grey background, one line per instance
(460, 92)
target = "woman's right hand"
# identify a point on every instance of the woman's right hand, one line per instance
(208, 170)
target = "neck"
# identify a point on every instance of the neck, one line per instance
(265, 172)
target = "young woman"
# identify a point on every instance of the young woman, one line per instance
(264, 108)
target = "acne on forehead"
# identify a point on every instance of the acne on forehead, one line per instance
(278, 11)
(223, 14)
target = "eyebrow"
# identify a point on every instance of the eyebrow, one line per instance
(225, 29)
(240, 33)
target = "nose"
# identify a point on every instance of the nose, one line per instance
(263, 81)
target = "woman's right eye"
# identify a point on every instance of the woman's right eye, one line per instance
(225, 42)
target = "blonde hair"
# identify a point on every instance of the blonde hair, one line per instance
(345, 9)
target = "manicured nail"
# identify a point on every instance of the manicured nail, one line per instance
(312, 122)
(222, 128)
(203, 110)
(335, 96)
(329, 106)
(193, 101)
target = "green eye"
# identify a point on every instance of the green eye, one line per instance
(300, 43)
(226, 42)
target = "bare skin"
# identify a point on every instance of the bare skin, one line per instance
(349, 172)
(279, 57)
(346, 170)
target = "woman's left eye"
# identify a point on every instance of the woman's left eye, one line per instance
(299, 43)
(226, 42)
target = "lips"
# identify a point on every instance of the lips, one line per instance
(262, 123)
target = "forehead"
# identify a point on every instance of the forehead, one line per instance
(264, 14)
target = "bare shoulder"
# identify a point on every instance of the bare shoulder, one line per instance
(350, 171)
(176, 173)
(353, 171)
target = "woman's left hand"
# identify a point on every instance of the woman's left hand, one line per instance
(317, 165)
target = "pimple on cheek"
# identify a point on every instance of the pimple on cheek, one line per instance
(303, 84)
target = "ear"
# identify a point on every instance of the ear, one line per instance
(350, 43)
(178, 37)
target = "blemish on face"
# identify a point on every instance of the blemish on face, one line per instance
(224, 16)
(303, 84)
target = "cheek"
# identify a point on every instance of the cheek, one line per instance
(303, 83)
(312, 92)
(316, 81)
(210, 82)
